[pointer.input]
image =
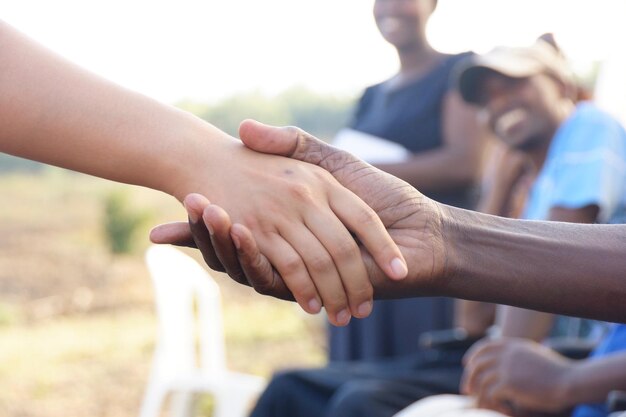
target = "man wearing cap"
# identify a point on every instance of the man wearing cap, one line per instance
(577, 154)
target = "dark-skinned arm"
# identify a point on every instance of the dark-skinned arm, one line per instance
(517, 322)
(529, 376)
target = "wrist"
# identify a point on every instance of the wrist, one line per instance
(567, 388)
(194, 163)
(452, 235)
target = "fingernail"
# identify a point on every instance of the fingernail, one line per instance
(364, 309)
(343, 317)
(237, 244)
(209, 228)
(399, 268)
(315, 306)
(192, 215)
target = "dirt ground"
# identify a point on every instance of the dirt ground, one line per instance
(77, 324)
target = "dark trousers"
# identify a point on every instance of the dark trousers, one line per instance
(360, 389)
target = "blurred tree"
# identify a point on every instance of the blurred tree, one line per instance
(320, 115)
(121, 222)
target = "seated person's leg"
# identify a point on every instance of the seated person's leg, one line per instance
(306, 392)
(384, 397)
(294, 394)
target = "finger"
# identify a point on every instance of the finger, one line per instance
(495, 396)
(347, 260)
(484, 389)
(268, 139)
(474, 372)
(218, 224)
(195, 205)
(479, 348)
(256, 267)
(175, 233)
(366, 225)
(322, 270)
(291, 267)
(297, 144)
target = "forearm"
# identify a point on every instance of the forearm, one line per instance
(529, 324)
(554, 267)
(57, 113)
(591, 381)
(475, 317)
(496, 201)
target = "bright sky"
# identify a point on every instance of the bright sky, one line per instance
(208, 49)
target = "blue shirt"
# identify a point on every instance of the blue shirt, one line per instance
(614, 342)
(585, 165)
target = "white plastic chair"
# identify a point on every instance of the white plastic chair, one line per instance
(179, 367)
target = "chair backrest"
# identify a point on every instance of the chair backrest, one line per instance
(188, 304)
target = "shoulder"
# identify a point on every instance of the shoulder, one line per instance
(454, 60)
(587, 112)
(590, 127)
(452, 64)
(370, 92)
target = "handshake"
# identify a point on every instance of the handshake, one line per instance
(309, 222)
(448, 251)
(326, 266)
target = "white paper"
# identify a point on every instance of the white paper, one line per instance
(369, 148)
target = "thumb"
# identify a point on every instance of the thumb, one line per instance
(297, 144)
(268, 139)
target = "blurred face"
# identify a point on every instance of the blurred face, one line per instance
(522, 112)
(403, 22)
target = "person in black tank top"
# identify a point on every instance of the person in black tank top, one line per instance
(419, 109)
(377, 367)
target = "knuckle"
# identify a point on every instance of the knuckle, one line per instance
(366, 217)
(361, 293)
(213, 263)
(263, 287)
(304, 290)
(293, 131)
(239, 277)
(301, 192)
(321, 264)
(346, 249)
(335, 301)
(290, 265)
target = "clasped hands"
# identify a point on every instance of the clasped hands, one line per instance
(323, 265)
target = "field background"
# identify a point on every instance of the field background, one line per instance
(77, 323)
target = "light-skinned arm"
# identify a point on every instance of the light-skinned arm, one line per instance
(55, 112)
